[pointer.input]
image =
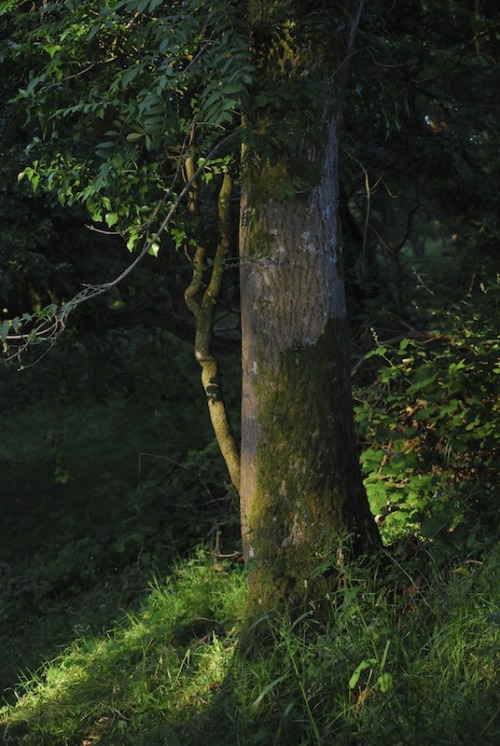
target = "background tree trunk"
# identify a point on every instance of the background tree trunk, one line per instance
(301, 486)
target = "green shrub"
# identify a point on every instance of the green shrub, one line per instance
(429, 427)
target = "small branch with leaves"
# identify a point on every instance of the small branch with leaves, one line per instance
(20, 334)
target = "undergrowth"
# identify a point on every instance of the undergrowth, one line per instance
(428, 422)
(101, 477)
(404, 650)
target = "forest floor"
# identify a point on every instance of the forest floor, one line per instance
(120, 616)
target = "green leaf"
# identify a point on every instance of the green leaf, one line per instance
(266, 690)
(385, 682)
(52, 49)
(106, 145)
(130, 74)
(380, 351)
(4, 329)
(111, 219)
(369, 663)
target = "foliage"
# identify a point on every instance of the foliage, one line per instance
(104, 470)
(113, 94)
(397, 662)
(429, 426)
(147, 654)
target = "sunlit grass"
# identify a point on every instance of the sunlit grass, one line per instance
(168, 657)
(88, 517)
(382, 663)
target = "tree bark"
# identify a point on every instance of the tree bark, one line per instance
(202, 303)
(302, 495)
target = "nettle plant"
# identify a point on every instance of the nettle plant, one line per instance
(429, 428)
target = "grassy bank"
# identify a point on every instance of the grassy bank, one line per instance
(408, 655)
(115, 630)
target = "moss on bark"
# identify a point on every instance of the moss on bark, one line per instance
(310, 497)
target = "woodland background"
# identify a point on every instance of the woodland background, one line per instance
(121, 589)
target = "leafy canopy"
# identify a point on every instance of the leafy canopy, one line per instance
(115, 93)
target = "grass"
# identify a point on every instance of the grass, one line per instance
(407, 655)
(88, 516)
(124, 641)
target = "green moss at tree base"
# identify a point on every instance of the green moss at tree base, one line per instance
(310, 496)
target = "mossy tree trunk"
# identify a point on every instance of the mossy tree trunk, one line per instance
(302, 494)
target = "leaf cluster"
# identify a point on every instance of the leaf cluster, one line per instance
(113, 93)
(429, 428)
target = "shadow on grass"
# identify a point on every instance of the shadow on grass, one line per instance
(113, 687)
(381, 670)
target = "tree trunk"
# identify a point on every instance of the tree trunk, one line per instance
(302, 495)
(202, 301)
